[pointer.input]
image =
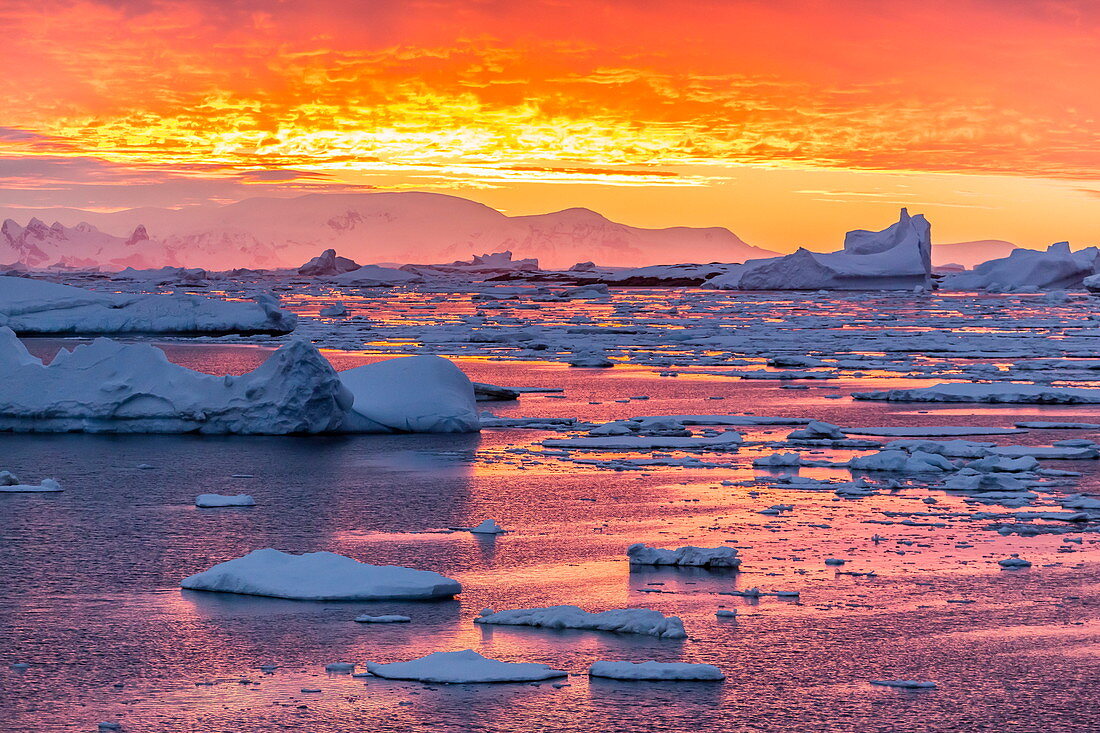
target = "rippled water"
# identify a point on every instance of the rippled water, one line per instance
(91, 598)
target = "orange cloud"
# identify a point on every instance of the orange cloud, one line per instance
(645, 93)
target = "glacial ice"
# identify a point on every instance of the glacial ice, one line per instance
(896, 258)
(704, 557)
(655, 671)
(107, 386)
(327, 263)
(1002, 392)
(320, 576)
(33, 307)
(1025, 270)
(415, 394)
(9, 484)
(207, 501)
(623, 621)
(463, 667)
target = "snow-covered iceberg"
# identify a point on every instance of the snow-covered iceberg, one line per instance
(702, 557)
(680, 671)
(107, 386)
(896, 258)
(1025, 270)
(328, 263)
(464, 667)
(621, 620)
(34, 307)
(415, 394)
(320, 576)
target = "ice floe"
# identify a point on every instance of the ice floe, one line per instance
(703, 557)
(9, 484)
(623, 621)
(34, 307)
(320, 576)
(220, 500)
(994, 393)
(655, 671)
(391, 618)
(463, 667)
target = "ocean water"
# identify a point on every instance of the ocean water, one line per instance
(91, 599)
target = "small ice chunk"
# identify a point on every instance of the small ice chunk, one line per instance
(906, 684)
(340, 667)
(9, 484)
(207, 501)
(392, 618)
(489, 526)
(1014, 561)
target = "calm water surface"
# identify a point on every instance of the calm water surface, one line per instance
(91, 598)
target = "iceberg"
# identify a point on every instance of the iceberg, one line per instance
(464, 667)
(702, 557)
(655, 671)
(327, 263)
(33, 307)
(1028, 270)
(414, 394)
(622, 621)
(107, 386)
(896, 258)
(320, 576)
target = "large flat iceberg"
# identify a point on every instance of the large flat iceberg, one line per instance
(33, 307)
(896, 258)
(320, 576)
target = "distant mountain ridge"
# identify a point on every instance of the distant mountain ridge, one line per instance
(368, 227)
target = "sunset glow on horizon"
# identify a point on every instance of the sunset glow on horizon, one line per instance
(786, 121)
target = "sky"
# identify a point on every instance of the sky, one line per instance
(787, 121)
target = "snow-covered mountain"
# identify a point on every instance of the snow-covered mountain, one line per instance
(367, 227)
(37, 245)
(969, 254)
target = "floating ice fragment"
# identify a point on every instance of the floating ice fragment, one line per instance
(463, 667)
(207, 501)
(643, 671)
